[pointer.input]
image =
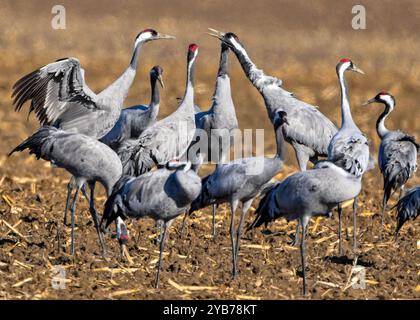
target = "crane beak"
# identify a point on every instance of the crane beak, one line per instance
(217, 34)
(164, 36)
(358, 70)
(161, 81)
(373, 100)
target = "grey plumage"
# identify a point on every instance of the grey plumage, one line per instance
(397, 155)
(349, 148)
(408, 208)
(134, 120)
(241, 180)
(309, 131)
(306, 194)
(87, 159)
(219, 122)
(168, 138)
(60, 97)
(162, 195)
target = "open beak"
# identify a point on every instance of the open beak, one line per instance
(358, 70)
(373, 100)
(161, 81)
(164, 36)
(217, 34)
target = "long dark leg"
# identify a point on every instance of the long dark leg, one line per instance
(73, 218)
(302, 256)
(70, 187)
(233, 205)
(214, 208)
(245, 208)
(69, 192)
(95, 219)
(384, 201)
(295, 240)
(159, 225)
(355, 224)
(340, 240)
(162, 247)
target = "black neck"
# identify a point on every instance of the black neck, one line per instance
(244, 60)
(223, 65)
(155, 98)
(278, 131)
(135, 58)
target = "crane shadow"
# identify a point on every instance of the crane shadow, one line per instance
(344, 260)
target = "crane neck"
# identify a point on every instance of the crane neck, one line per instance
(250, 69)
(346, 118)
(380, 123)
(281, 150)
(223, 65)
(155, 96)
(136, 54)
(189, 90)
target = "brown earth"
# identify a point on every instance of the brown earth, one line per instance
(294, 40)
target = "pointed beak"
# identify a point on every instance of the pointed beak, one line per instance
(373, 100)
(164, 36)
(286, 121)
(358, 70)
(217, 34)
(161, 81)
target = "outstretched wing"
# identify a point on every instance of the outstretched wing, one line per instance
(57, 92)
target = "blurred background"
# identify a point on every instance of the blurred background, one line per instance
(297, 41)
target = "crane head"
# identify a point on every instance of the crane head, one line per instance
(280, 118)
(228, 38)
(192, 51)
(346, 64)
(382, 97)
(150, 34)
(157, 72)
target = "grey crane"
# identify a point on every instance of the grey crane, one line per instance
(168, 138)
(309, 131)
(241, 180)
(219, 122)
(162, 195)
(306, 194)
(349, 148)
(134, 120)
(408, 208)
(87, 159)
(60, 97)
(397, 156)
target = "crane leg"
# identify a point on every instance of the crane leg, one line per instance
(95, 219)
(166, 226)
(70, 187)
(73, 218)
(384, 201)
(355, 224)
(302, 255)
(159, 225)
(245, 208)
(340, 240)
(233, 206)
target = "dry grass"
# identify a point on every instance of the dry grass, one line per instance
(298, 41)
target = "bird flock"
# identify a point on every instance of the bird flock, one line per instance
(149, 167)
